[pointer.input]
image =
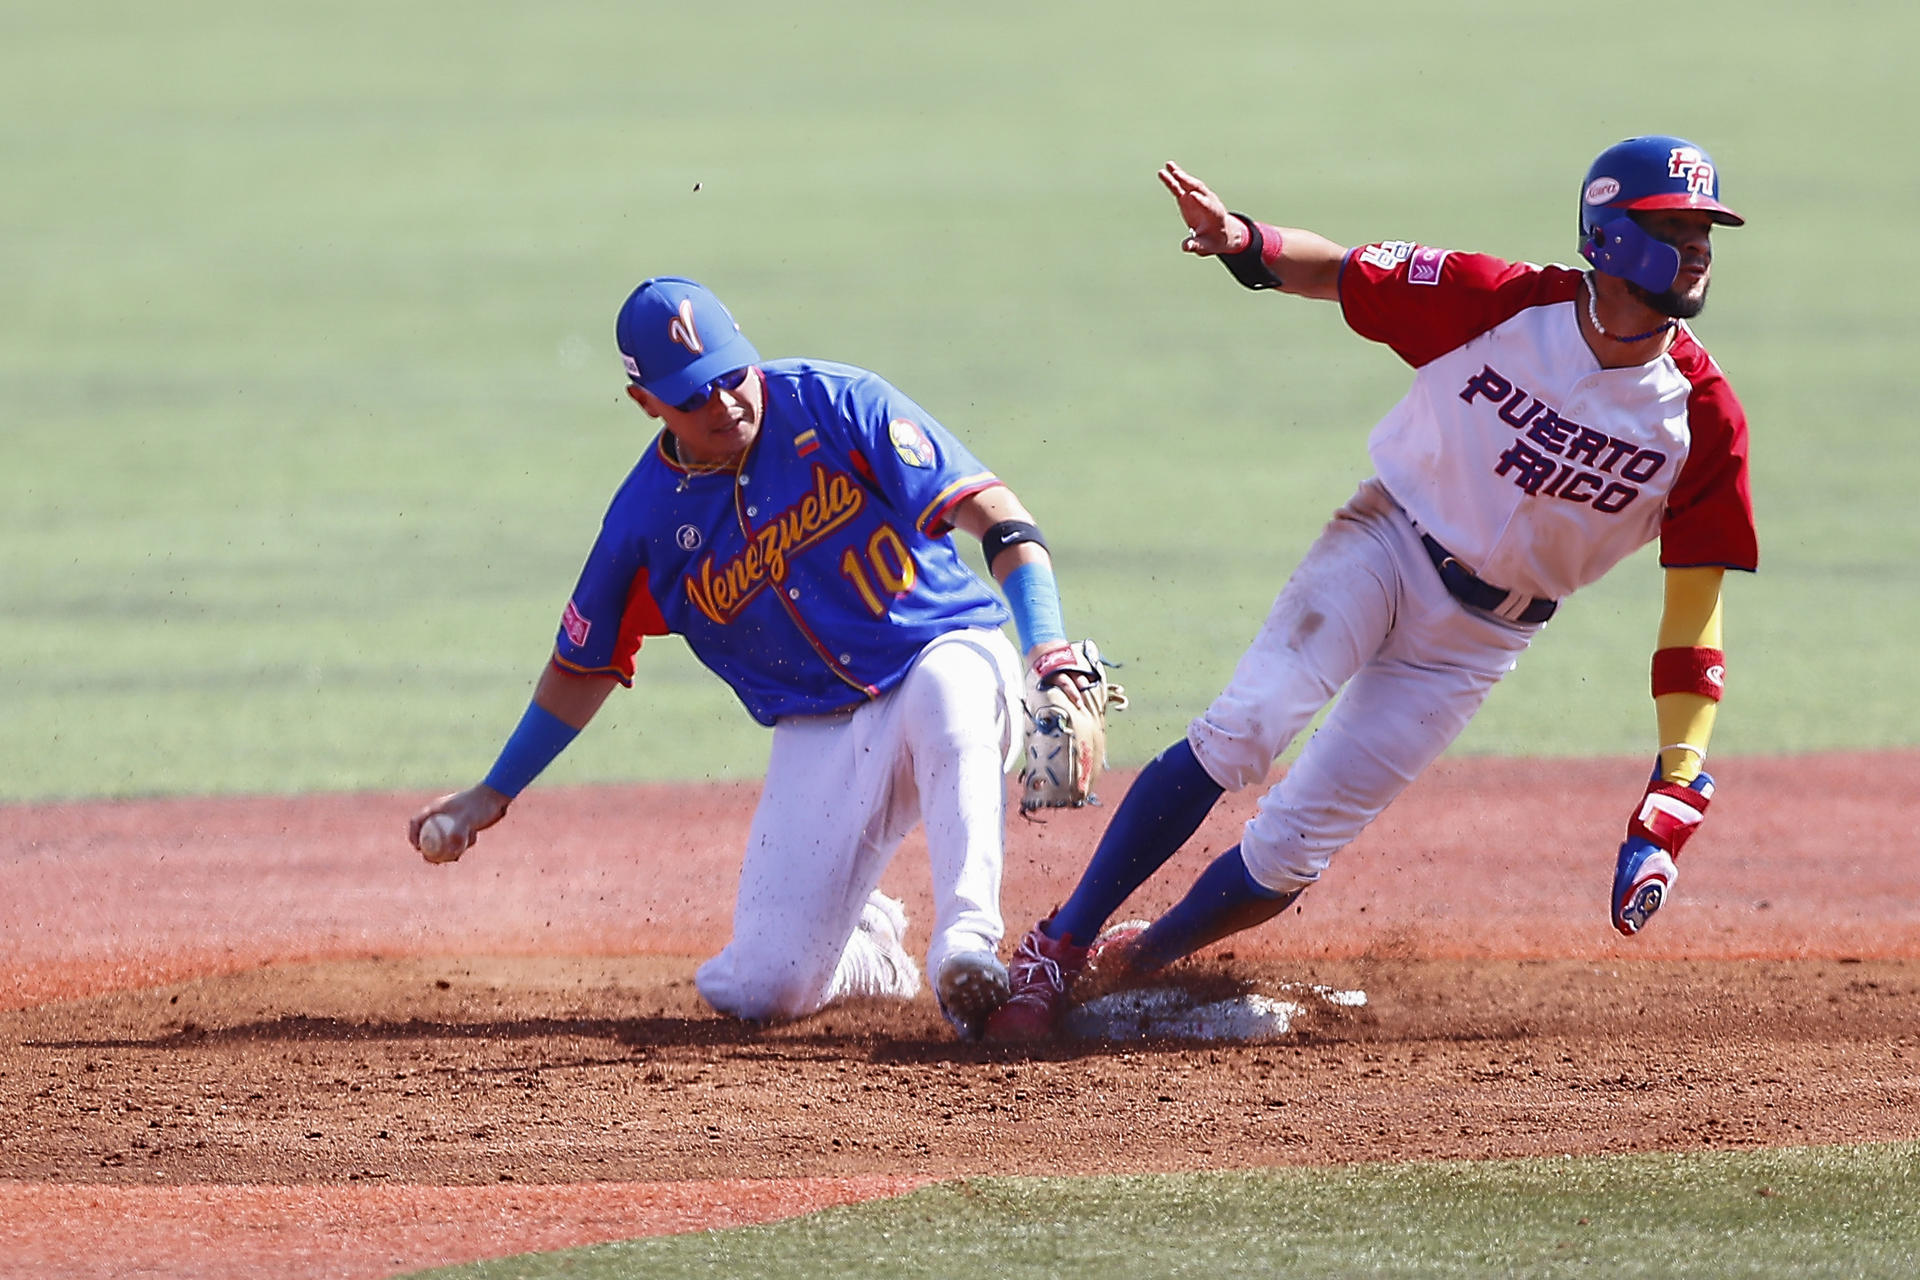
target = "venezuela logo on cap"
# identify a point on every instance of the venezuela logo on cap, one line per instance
(681, 328)
(910, 442)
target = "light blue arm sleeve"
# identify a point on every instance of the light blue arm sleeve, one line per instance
(1034, 598)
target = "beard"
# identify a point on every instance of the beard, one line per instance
(1671, 303)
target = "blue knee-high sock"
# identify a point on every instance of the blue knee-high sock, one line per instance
(1165, 806)
(1224, 900)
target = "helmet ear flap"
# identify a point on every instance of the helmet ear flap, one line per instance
(1591, 238)
(1622, 247)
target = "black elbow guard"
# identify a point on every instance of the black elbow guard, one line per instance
(1249, 265)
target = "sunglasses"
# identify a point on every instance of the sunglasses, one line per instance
(725, 382)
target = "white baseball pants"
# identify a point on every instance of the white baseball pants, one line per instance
(1364, 609)
(842, 791)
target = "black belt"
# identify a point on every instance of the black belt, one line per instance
(1475, 594)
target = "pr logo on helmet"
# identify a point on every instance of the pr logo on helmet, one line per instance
(681, 329)
(1601, 190)
(1686, 162)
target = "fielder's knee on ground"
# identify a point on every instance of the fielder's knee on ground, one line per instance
(762, 989)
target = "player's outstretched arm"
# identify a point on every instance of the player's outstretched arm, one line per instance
(1260, 256)
(1689, 674)
(563, 704)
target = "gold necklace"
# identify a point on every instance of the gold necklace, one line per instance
(692, 469)
(697, 467)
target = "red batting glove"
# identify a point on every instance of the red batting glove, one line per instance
(1671, 812)
(1644, 870)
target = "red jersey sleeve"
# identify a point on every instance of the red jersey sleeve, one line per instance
(1424, 302)
(1709, 516)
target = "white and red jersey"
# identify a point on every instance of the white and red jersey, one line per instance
(1536, 467)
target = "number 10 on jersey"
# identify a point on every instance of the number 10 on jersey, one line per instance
(888, 561)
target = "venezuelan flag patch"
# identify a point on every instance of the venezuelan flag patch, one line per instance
(806, 442)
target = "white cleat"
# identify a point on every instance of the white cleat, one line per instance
(884, 920)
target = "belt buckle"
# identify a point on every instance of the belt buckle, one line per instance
(1512, 606)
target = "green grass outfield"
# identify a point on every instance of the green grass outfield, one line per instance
(1840, 1212)
(311, 405)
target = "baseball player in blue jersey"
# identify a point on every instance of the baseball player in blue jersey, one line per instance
(791, 523)
(1558, 420)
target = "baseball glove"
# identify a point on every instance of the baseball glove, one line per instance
(1066, 740)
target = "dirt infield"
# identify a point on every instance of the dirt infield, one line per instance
(261, 1036)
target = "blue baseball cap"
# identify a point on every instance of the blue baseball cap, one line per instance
(675, 337)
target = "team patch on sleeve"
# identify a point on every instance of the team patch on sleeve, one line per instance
(1424, 266)
(910, 442)
(575, 625)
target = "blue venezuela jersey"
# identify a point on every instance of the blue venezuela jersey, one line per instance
(809, 580)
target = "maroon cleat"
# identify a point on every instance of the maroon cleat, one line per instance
(1041, 976)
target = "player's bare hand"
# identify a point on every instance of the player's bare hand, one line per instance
(1211, 229)
(1052, 667)
(447, 828)
(1075, 685)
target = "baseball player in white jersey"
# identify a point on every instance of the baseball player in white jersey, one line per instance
(1558, 420)
(793, 524)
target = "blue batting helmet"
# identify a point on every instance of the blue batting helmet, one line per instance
(1654, 172)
